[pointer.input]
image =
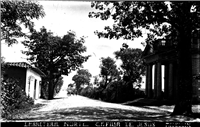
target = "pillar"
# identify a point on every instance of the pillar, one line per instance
(170, 82)
(155, 81)
(166, 81)
(150, 81)
(147, 81)
(159, 80)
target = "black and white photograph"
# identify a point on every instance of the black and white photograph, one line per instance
(100, 63)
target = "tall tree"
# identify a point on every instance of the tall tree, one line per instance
(177, 19)
(108, 70)
(132, 63)
(18, 14)
(82, 78)
(55, 55)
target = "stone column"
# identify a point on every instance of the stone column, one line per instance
(170, 86)
(150, 81)
(155, 81)
(159, 80)
(147, 81)
(166, 81)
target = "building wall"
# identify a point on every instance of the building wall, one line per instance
(17, 73)
(33, 88)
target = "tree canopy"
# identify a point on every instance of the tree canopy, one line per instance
(157, 17)
(108, 70)
(82, 78)
(54, 55)
(18, 14)
(177, 20)
(132, 63)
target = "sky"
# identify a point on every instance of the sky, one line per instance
(62, 16)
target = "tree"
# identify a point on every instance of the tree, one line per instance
(2, 66)
(176, 19)
(132, 63)
(81, 78)
(96, 80)
(108, 71)
(54, 55)
(14, 15)
(59, 85)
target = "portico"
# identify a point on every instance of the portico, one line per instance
(161, 69)
(160, 60)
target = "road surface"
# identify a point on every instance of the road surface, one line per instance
(79, 108)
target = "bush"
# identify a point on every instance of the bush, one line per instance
(87, 92)
(118, 92)
(13, 98)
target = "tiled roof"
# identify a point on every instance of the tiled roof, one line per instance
(25, 65)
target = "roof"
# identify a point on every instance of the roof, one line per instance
(25, 65)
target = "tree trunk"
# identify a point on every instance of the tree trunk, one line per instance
(50, 89)
(183, 102)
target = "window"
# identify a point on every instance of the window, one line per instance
(163, 42)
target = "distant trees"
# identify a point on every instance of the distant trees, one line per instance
(132, 64)
(55, 55)
(18, 14)
(109, 86)
(81, 78)
(108, 71)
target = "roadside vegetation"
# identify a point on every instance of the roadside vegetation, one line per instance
(14, 100)
(114, 84)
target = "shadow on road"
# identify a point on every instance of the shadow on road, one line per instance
(103, 114)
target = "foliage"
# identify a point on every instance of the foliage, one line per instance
(55, 55)
(115, 92)
(81, 78)
(112, 88)
(71, 85)
(96, 81)
(14, 15)
(71, 90)
(13, 98)
(130, 17)
(132, 64)
(88, 92)
(174, 20)
(2, 66)
(108, 70)
(58, 85)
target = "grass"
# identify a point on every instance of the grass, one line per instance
(18, 112)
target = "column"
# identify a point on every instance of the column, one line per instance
(170, 85)
(159, 81)
(155, 81)
(166, 81)
(147, 80)
(150, 81)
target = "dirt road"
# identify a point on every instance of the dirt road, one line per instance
(78, 108)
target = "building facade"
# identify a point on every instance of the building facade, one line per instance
(161, 69)
(29, 77)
